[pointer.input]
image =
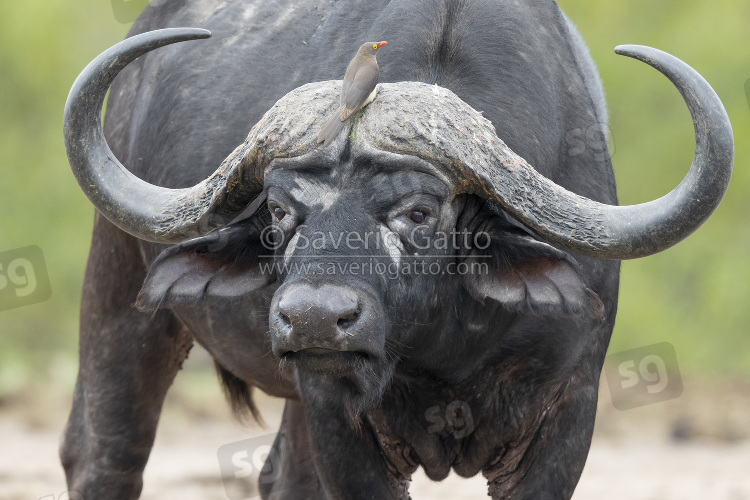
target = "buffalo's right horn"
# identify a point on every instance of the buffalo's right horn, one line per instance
(149, 212)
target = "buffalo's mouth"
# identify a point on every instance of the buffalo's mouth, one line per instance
(327, 361)
(353, 378)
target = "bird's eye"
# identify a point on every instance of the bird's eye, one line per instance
(417, 216)
(279, 213)
(375, 46)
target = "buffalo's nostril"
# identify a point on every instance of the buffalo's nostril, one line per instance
(348, 321)
(285, 319)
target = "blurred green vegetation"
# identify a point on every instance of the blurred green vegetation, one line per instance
(694, 295)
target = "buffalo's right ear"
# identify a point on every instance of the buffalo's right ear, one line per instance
(229, 263)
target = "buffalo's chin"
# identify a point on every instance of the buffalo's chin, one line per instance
(327, 361)
(353, 379)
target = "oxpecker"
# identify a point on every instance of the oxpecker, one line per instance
(358, 90)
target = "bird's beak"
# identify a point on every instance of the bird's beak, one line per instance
(382, 43)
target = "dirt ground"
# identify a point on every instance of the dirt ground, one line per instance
(693, 447)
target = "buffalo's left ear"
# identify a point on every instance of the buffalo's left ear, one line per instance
(537, 279)
(225, 264)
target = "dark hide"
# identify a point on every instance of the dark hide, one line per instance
(493, 372)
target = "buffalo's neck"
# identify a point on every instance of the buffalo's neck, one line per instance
(452, 347)
(468, 426)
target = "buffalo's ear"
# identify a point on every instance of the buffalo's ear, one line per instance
(225, 264)
(536, 278)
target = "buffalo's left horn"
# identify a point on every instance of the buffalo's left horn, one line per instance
(438, 127)
(632, 231)
(149, 212)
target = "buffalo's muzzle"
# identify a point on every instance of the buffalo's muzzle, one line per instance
(328, 328)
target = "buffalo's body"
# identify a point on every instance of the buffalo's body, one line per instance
(476, 387)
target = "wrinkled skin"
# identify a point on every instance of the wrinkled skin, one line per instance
(492, 373)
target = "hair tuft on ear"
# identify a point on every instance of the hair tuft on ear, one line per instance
(225, 264)
(526, 275)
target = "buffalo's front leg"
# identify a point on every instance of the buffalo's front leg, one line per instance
(289, 472)
(553, 462)
(127, 362)
(348, 461)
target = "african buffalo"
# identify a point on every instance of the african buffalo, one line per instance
(467, 261)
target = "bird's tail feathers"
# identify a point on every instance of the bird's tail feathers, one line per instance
(331, 129)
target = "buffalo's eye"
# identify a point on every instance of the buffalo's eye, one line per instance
(279, 213)
(417, 216)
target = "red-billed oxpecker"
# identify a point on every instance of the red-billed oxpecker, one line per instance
(358, 90)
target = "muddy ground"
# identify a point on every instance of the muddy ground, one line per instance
(696, 446)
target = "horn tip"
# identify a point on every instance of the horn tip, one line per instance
(629, 49)
(642, 53)
(183, 33)
(194, 33)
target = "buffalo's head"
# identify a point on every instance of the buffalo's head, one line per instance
(374, 242)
